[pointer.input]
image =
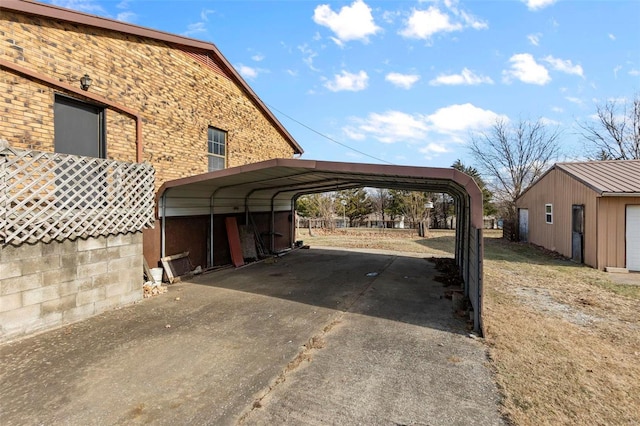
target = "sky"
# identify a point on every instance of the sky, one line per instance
(410, 82)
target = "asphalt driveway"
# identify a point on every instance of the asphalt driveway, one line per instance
(317, 337)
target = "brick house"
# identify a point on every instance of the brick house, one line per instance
(169, 100)
(78, 84)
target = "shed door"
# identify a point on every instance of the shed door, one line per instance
(523, 225)
(78, 128)
(633, 238)
(577, 233)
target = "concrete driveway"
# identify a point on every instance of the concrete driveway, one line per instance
(313, 338)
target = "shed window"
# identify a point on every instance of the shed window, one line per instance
(217, 147)
(548, 212)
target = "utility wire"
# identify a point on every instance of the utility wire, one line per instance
(327, 137)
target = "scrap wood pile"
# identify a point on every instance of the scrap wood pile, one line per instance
(151, 289)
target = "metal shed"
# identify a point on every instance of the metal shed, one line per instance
(191, 210)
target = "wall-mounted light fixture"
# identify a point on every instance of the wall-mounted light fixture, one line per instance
(85, 82)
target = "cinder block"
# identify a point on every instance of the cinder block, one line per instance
(124, 263)
(92, 243)
(79, 313)
(104, 280)
(31, 266)
(24, 251)
(90, 296)
(131, 297)
(58, 276)
(84, 283)
(39, 295)
(92, 269)
(50, 319)
(10, 302)
(19, 319)
(60, 305)
(71, 260)
(108, 303)
(123, 239)
(117, 289)
(10, 269)
(130, 250)
(20, 284)
(67, 288)
(97, 256)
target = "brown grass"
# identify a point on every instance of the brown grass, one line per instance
(564, 341)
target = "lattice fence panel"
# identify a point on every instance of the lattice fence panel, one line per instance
(47, 196)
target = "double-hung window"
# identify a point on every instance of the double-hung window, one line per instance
(548, 213)
(217, 147)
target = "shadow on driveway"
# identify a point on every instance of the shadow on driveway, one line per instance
(310, 339)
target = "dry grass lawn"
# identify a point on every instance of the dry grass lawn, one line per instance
(564, 341)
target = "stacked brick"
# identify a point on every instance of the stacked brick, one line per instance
(177, 96)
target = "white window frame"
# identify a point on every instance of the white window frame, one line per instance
(548, 213)
(213, 144)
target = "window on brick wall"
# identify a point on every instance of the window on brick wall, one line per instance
(217, 145)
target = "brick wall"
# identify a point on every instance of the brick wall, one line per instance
(177, 96)
(47, 285)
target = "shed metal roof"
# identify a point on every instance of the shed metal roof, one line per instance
(261, 186)
(608, 178)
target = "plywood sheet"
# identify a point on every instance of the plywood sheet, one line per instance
(233, 236)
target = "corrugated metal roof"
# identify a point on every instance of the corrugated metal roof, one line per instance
(616, 177)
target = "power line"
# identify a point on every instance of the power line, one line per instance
(327, 137)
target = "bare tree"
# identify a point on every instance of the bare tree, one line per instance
(615, 132)
(381, 201)
(511, 157)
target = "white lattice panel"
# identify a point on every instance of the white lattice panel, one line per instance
(47, 196)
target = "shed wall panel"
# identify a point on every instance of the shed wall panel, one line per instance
(562, 191)
(612, 229)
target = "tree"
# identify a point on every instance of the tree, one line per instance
(380, 201)
(513, 156)
(358, 205)
(488, 207)
(615, 132)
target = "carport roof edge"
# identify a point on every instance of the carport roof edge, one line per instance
(301, 175)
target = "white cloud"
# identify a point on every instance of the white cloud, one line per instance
(204, 14)
(353, 22)
(534, 39)
(348, 81)
(557, 109)
(258, 57)
(462, 118)
(127, 16)
(466, 77)
(525, 68)
(194, 29)
(394, 126)
(308, 56)
(454, 122)
(423, 24)
(612, 36)
(565, 66)
(634, 72)
(89, 6)
(292, 73)
(434, 148)
(246, 71)
(538, 4)
(574, 100)
(404, 81)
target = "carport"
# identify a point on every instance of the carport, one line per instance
(192, 210)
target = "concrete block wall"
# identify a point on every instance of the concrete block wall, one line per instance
(43, 286)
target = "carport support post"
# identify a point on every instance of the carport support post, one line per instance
(273, 225)
(163, 226)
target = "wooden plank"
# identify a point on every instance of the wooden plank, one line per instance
(233, 236)
(172, 269)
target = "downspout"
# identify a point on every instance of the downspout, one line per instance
(86, 94)
(164, 224)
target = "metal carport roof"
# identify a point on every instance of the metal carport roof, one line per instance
(274, 185)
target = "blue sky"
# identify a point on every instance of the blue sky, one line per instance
(407, 82)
